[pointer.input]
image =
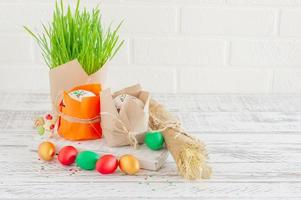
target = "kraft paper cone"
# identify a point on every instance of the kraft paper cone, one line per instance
(129, 125)
(69, 75)
(188, 152)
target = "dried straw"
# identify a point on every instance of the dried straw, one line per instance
(188, 152)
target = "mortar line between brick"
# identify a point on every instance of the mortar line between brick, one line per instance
(178, 20)
(277, 22)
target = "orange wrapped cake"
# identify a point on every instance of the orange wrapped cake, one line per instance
(80, 113)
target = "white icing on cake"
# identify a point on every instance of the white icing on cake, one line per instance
(122, 99)
(79, 94)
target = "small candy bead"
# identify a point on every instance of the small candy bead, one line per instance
(49, 117)
(39, 122)
(51, 127)
(41, 130)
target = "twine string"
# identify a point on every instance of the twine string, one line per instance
(166, 124)
(158, 122)
(120, 132)
(124, 130)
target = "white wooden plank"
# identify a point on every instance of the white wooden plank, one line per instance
(197, 113)
(222, 148)
(176, 102)
(196, 122)
(206, 189)
(241, 121)
(19, 137)
(231, 103)
(234, 157)
(38, 171)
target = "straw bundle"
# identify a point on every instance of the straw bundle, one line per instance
(188, 152)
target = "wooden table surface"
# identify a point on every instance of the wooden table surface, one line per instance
(254, 143)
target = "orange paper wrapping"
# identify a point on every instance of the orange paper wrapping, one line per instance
(88, 108)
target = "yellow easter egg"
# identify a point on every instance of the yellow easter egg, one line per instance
(46, 151)
(129, 164)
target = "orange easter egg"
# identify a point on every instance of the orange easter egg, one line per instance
(46, 151)
(129, 164)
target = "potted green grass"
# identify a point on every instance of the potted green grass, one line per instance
(76, 47)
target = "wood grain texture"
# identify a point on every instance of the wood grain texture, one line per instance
(254, 144)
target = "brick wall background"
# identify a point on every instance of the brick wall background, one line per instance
(173, 46)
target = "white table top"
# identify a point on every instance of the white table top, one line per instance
(254, 143)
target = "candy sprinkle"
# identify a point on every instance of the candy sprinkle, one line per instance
(49, 117)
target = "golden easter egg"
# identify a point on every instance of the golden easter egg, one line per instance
(129, 164)
(46, 151)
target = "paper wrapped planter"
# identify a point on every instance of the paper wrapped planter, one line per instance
(69, 75)
(128, 126)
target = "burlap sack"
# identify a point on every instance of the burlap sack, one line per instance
(129, 126)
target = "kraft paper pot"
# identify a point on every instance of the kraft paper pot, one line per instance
(69, 75)
(128, 126)
(80, 119)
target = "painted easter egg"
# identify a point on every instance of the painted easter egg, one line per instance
(46, 151)
(87, 160)
(122, 99)
(129, 164)
(107, 164)
(78, 95)
(154, 140)
(67, 155)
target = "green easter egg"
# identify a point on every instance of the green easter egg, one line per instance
(41, 130)
(87, 160)
(154, 140)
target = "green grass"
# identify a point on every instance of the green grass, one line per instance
(77, 35)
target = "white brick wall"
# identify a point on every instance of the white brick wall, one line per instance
(228, 21)
(177, 46)
(178, 51)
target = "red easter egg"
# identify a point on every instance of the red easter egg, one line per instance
(67, 155)
(107, 164)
